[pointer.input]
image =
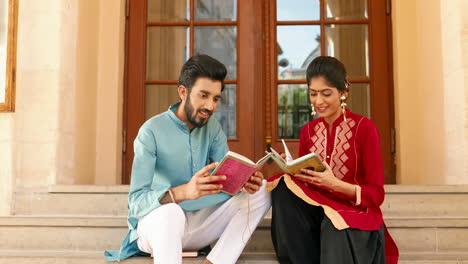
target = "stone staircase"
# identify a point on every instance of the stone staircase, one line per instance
(74, 224)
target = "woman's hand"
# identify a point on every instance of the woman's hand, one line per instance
(324, 180)
(327, 180)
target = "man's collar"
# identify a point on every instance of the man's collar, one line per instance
(181, 124)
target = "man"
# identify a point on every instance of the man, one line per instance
(173, 204)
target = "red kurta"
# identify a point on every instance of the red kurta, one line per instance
(352, 149)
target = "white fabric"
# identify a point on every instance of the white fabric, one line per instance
(168, 230)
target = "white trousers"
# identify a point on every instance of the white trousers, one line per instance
(168, 230)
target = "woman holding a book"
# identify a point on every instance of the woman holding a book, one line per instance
(332, 216)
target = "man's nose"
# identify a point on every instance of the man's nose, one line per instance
(210, 105)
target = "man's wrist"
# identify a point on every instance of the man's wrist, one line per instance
(171, 195)
(179, 193)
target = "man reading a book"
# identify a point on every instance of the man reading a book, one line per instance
(173, 204)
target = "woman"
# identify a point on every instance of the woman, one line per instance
(333, 216)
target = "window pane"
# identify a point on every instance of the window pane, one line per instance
(297, 47)
(297, 10)
(346, 9)
(359, 99)
(293, 109)
(216, 10)
(226, 111)
(3, 47)
(220, 43)
(168, 10)
(350, 44)
(159, 98)
(167, 50)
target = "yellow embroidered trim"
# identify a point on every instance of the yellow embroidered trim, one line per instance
(338, 221)
(272, 185)
(358, 195)
(333, 215)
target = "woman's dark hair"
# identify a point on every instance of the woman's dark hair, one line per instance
(201, 66)
(331, 69)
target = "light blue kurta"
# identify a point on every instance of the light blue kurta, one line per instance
(168, 154)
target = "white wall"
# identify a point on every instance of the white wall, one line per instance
(429, 47)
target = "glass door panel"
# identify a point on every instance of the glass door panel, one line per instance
(226, 112)
(215, 10)
(159, 98)
(167, 50)
(305, 30)
(293, 10)
(293, 110)
(359, 99)
(297, 47)
(346, 9)
(168, 10)
(220, 43)
(173, 36)
(350, 44)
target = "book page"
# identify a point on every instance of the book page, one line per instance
(240, 157)
(281, 164)
(309, 161)
(289, 157)
(262, 161)
(276, 154)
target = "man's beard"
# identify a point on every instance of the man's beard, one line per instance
(192, 115)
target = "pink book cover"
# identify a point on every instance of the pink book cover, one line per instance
(237, 170)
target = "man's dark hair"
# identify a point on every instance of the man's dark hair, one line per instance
(331, 69)
(201, 66)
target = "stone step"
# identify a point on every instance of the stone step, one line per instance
(88, 233)
(401, 201)
(96, 257)
(73, 200)
(94, 233)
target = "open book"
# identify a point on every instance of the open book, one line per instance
(293, 166)
(237, 170)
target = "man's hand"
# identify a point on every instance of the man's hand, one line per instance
(200, 185)
(253, 184)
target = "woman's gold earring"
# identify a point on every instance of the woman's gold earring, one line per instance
(343, 106)
(313, 113)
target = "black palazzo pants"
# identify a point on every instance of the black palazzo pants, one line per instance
(302, 234)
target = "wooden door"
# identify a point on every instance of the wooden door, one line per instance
(357, 33)
(163, 34)
(266, 46)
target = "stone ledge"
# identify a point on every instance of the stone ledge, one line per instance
(426, 189)
(124, 189)
(389, 188)
(94, 257)
(97, 257)
(121, 221)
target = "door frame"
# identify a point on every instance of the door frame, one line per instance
(256, 50)
(381, 76)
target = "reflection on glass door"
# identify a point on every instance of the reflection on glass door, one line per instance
(179, 29)
(305, 30)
